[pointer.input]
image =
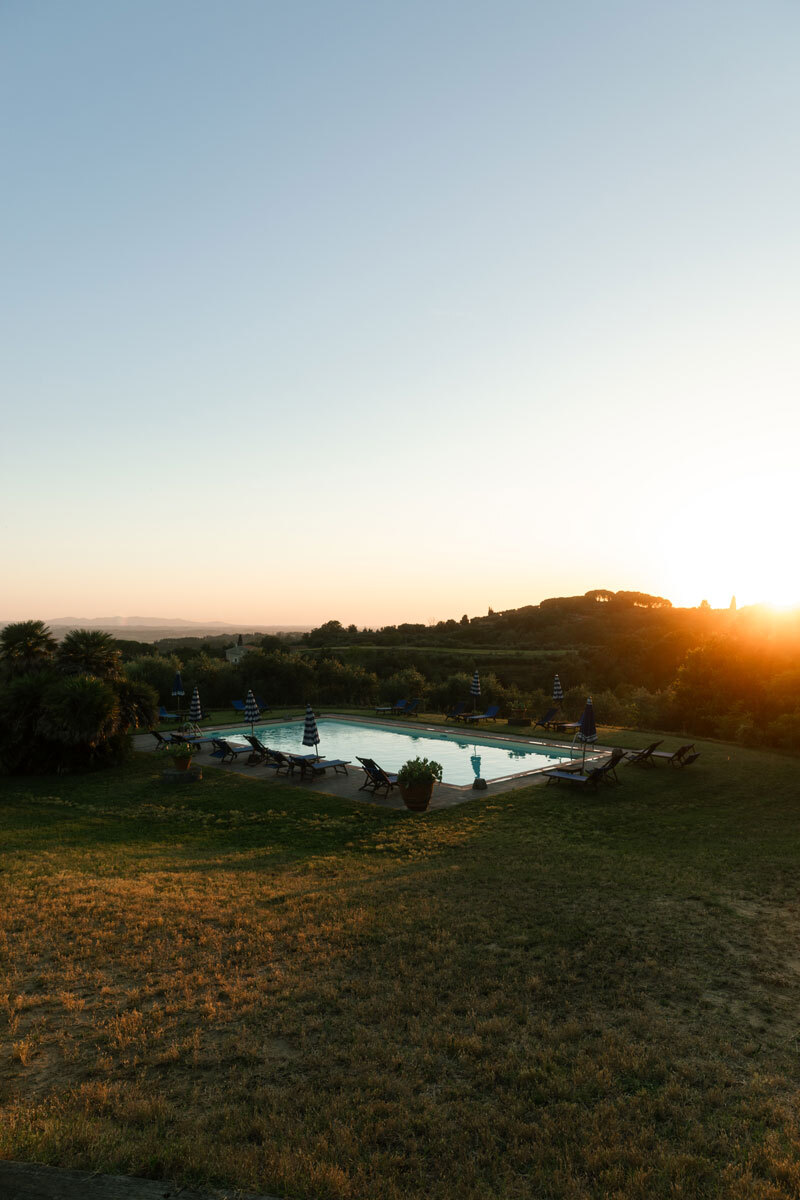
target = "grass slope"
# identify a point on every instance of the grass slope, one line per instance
(540, 994)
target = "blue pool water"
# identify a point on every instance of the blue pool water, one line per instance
(463, 757)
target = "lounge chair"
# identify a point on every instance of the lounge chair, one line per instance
(609, 767)
(642, 758)
(238, 707)
(262, 704)
(312, 768)
(489, 715)
(226, 751)
(456, 712)
(400, 708)
(162, 742)
(595, 776)
(294, 762)
(261, 755)
(411, 709)
(688, 759)
(163, 715)
(377, 778)
(390, 708)
(280, 760)
(546, 718)
(674, 758)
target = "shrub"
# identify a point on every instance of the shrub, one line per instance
(418, 771)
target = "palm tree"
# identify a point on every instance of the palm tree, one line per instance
(26, 644)
(89, 652)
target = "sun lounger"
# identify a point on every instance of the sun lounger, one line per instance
(609, 767)
(642, 758)
(489, 715)
(377, 779)
(546, 718)
(261, 755)
(673, 758)
(688, 759)
(313, 768)
(390, 708)
(456, 712)
(227, 751)
(162, 741)
(399, 708)
(279, 759)
(411, 709)
(163, 715)
(238, 707)
(593, 777)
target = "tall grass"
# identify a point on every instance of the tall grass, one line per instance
(534, 994)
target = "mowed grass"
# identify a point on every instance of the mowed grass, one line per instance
(539, 994)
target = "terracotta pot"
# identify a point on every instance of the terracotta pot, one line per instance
(418, 796)
(182, 764)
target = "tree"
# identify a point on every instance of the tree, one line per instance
(89, 652)
(26, 644)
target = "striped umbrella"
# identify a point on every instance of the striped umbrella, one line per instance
(177, 689)
(558, 691)
(475, 687)
(588, 729)
(475, 759)
(195, 708)
(310, 732)
(251, 710)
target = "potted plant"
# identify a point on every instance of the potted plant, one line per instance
(416, 779)
(181, 755)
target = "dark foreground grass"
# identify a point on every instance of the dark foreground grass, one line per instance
(542, 994)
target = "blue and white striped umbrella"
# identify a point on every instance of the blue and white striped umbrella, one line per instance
(310, 732)
(195, 708)
(475, 760)
(558, 691)
(475, 686)
(251, 710)
(588, 729)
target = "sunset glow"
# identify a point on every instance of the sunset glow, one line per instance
(395, 327)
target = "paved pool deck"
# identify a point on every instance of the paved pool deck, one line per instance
(347, 786)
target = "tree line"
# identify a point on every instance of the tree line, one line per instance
(703, 672)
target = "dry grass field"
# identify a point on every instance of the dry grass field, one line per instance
(543, 994)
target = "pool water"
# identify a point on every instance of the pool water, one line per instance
(463, 757)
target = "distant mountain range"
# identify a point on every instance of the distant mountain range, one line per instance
(148, 628)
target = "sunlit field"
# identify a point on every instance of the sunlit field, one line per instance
(542, 994)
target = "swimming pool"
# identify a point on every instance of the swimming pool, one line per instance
(464, 757)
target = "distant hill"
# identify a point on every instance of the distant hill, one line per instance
(149, 629)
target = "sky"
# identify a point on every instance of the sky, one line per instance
(387, 312)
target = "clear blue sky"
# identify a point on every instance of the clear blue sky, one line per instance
(395, 311)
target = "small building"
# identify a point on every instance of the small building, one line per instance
(235, 654)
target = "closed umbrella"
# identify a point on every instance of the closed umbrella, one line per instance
(177, 689)
(310, 732)
(558, 691)
(475, 689)
(195, 708)
(588, 729)
(251, 710)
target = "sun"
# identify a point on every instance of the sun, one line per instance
(734, 539)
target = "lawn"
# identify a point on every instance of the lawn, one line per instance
(540, 994)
